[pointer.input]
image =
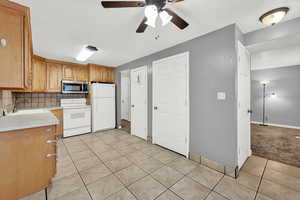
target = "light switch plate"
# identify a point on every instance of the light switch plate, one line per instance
(221, 96)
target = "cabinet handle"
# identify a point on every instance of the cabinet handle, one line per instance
(49, 130)
(51, 155)
(51, 141)
(3, 42)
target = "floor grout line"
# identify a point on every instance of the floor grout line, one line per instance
(112, 173)
(77, 169)
(147, 173)
(111, 144)
(135, 164)
(262, 175)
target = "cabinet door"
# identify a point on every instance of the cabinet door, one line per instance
(12, 59)
(8, 166)
(39, 76)
(35, 166)
(54, 77)
(95, 73)
(111, 75)
(81, 73)
(59, 128)
(25, 167)
(68, 72)
(108, 75)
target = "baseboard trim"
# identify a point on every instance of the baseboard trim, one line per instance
(277, 125)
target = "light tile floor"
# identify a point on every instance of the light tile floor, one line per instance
(113, 165)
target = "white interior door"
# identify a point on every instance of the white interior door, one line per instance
(244, 81)
(125, 95)
(139, 106)
(171, 103)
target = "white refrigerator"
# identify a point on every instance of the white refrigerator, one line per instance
(103, 106)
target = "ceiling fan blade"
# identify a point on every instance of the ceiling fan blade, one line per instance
(174, 1)
(142, 27)
(122, 4)
(178, 21)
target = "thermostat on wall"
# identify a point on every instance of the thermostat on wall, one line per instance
(221, 96)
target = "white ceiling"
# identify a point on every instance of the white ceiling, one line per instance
(61, 27)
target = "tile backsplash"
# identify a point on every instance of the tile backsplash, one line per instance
(42, 100)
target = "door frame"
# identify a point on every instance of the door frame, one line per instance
(239, 47)
(129, 92)
(154, 135)
(145, 67)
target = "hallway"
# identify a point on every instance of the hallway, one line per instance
(275, 143)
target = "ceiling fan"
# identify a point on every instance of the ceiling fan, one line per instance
(153, 9)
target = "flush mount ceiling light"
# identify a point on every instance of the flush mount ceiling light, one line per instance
(274, 16)
(86, 52)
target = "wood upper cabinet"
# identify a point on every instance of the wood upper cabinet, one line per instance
(27, 162)
(110, 74)
(100, 73)
(75, 72)
(39, 75)
(68, 72)
(81, 73)
(54, 77)
(16, 47)
(95, 73)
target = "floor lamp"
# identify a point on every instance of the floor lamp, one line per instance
(264, 84)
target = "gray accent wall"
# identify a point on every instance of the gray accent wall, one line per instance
(291, 27)
(284, 108)
(213, 66)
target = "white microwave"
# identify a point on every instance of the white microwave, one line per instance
(74, 87)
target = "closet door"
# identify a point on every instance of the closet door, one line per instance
(171, 103)
(139, 106)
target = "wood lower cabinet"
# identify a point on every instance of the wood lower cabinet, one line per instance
(28, 161)
(16, 47)
(54, 77)
(59, 128)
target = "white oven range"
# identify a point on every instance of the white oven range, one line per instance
(77, 117)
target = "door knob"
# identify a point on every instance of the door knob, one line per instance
(250, 111)
(132, 106)
(155, 107)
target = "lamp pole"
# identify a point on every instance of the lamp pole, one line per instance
(264, 103)
(264, 84)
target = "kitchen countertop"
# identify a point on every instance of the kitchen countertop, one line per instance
(29, 120)
(46, 108)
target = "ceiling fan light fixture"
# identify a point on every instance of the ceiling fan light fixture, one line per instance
(151, 14)
(274, 16)
(86, 52)
(165, 17)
